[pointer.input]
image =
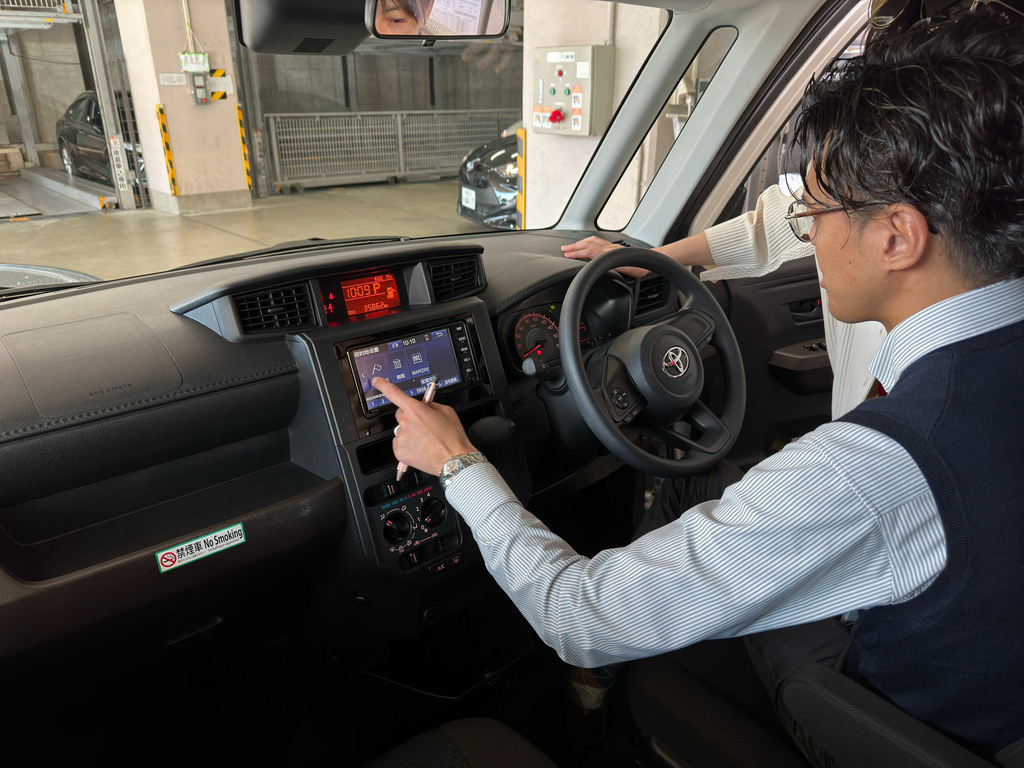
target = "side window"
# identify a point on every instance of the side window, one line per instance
(681, 103)
(79, 110)
(780, 163)
(94, 113)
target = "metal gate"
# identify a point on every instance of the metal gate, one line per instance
(348, 147)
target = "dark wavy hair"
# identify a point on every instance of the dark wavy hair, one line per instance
(933, 118)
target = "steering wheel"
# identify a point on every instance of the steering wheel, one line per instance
(649, 379)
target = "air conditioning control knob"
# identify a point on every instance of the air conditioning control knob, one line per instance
(433, 513)
(398, 527)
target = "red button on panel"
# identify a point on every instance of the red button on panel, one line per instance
(557, 116)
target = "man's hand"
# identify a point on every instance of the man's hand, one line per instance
(429, 434)
(592, 247)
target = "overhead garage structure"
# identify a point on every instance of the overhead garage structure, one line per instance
(51, 52)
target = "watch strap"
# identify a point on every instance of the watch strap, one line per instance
(456, 464)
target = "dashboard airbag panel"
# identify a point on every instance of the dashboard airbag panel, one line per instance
(92, 365)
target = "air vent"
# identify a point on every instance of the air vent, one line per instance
(453, 278)
(275, 309)
(653, 294)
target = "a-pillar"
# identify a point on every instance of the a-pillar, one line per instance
(204, 140)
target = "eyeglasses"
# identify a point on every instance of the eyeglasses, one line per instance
(801, 218)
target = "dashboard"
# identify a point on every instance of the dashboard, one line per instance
(167, 435)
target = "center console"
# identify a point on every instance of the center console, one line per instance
(401, 528)
(409, 519)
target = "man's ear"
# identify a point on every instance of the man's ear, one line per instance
(905, 235)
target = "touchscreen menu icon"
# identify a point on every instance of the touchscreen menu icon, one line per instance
(418, 363)
(398, 367)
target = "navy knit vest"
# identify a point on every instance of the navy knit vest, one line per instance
(953, 656)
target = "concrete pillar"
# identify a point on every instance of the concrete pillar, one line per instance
(554, 164)
(204, 139)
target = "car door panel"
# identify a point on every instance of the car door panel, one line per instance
(778, 322)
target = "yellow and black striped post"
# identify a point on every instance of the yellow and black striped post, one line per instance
(217, 95)
(520, 217)
(245, 148)
(172, 177)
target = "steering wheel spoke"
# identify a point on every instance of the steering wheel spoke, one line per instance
(699, 430)
(621, 398)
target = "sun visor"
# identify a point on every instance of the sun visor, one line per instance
(327, 27)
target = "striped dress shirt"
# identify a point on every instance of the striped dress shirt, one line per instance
(839, 520)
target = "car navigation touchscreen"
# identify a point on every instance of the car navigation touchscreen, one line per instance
(411, 362)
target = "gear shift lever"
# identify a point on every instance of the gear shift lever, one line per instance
(492, 435)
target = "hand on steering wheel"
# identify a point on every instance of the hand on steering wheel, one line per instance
(591, 247)
(649, 379)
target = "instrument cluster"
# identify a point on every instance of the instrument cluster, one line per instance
(533, 332)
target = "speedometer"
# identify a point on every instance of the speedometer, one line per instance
(536, 336)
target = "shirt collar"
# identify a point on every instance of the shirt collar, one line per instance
(951, 320)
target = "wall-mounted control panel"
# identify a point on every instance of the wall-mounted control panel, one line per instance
(573, 87)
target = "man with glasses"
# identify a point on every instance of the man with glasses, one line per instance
(757, 242)
(907, 509)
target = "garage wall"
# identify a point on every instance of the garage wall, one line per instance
(554, 164)
(204, 139)
(392, 80)
(53, 74)
(299, 84)
(52, 77)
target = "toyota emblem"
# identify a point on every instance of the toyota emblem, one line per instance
(675, 362)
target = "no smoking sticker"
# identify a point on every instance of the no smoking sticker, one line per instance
(196, 549)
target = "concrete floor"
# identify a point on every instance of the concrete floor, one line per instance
(123, 243)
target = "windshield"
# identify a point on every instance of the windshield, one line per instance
(136, 139)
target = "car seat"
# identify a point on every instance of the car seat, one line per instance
(477, 742)
(853, 724)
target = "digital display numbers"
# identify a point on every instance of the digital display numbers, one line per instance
(354, 297)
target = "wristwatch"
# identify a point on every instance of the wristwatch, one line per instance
(456, 464)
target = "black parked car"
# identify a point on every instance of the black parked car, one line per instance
(487, 182)
(82, 141)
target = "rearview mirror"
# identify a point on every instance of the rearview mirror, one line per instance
(437, 19)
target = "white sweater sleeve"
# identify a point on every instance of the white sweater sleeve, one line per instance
(757, 242)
